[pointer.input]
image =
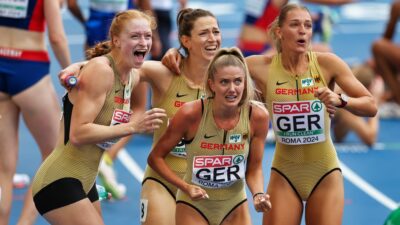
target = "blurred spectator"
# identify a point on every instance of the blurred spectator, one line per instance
(387, 54)
(365, 128)
(101, 14)
(259, 14)
(162, 11)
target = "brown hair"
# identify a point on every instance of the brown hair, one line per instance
(117, 24)
(185, 22)
(278, 22)
(231, 57)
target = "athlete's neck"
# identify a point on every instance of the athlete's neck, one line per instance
(295, 64)
(195, 72)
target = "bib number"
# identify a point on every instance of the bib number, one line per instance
(255, 7)
(16, 9)
(109, 5)
(179, 150)
(299, 122)
(119, 116)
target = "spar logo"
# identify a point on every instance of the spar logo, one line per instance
(297, 107)
(292, 108)
(212, 161)
(316, 106)
(120, 116)
(238, 159)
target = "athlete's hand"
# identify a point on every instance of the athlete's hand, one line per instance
(148, 122)
(330, 99)
(71, 70)
(172, 59)
(196, 193)
(262, 203)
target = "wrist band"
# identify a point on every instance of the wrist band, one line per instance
(258, 193)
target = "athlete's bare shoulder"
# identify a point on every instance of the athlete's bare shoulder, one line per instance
(258, 60)
(258, 65)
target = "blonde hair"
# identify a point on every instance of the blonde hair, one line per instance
(230, 57)
(117, 25)
(278, 22)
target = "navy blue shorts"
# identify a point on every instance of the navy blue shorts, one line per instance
(17, 75)
(97, 27)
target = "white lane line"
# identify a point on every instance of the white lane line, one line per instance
(367, 188)
(131, 165)
(137, 172)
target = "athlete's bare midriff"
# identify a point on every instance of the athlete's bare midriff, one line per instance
(22, 39)
(252, 33)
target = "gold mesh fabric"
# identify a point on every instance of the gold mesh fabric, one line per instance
(302, 164)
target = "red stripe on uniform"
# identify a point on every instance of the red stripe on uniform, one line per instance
(37, 22)
(38, 56)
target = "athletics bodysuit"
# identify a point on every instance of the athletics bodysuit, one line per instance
(304, 152)
(19, 68)
(258, 13)
(68, 174)
(216, 161)
(101, 14)
(177, 94)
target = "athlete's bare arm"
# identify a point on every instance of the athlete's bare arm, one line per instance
(183, 125)
(334, 69)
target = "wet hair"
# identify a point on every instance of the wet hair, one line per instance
(231, 57)
(278, 22)
(117, 25)
(185, 22)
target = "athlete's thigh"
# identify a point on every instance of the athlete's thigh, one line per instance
(286, 206)
(9, 117)
(325, 205)
(389, 49)
(97, 207)
(41, 112)
(157, 204)
(79, 213)
(187, 215)
(239, 216)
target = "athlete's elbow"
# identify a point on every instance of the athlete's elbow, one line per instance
(373, 109)
(151, 160)
(57, 39)
(75, 139)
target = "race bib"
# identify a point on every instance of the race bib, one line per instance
(109, 5)
(179, 150)
(16, 9)
(255, 7)
(300, 122)
(119, 116)
(218, 171)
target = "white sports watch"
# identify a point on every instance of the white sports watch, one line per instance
(343, 100)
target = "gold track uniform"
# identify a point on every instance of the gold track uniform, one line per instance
(216, 162)
(177, 94)
(304, 151)
(69, 173)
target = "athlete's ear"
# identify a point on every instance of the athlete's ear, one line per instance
(211, 85)
(185, 40)
(116, 42)
(278, 33)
